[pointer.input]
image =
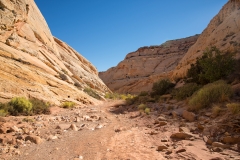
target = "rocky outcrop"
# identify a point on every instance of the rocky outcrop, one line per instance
(141, 68)
(223, 32)
(172, 59)
(36, 64)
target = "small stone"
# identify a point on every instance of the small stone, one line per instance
(168, 152)
(217, 149)
(184, 129)
(63, 126)
(164, 140)
(174, 114)
(34, 139)
(189, 116)
(181, 135)
(14, 129)
(218, 144)
(161, 147)
(181, 150)
(99, 126)
(200, 126)
(73, 127)
(161, 118)
(209, 141)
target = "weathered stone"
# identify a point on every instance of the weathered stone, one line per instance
(34, 139)
(209, 141)
(161, 118)
(160, 123)
(181, 150)
(161, 147)
(217, 149)
(184, 129)
(189, 116)
(164, 140)
(73, 127)
(63, 126)
(181, 135)
(231, 140)
(221, 145)
(168, 152)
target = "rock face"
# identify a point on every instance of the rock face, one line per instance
(223, 32)
(36, 64)
(141, 68)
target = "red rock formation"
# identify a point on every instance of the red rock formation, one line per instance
(141, 68)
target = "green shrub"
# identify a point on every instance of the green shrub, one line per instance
(28, 120)
(3, 113)
(147, 111)
(39, 106)
(68, 104)
(212, 66)
(234, 108)
(185, 91)
(161, 87)
(92, 93)
(212, 93)
(142, 106)
(118, 96)
(20, 105)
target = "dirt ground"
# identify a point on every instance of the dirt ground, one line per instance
(110, 131)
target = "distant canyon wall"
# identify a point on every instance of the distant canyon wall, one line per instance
(140, 69)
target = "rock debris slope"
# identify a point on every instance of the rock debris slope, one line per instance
(141, 68)
(36, 64)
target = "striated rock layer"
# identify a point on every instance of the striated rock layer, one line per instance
(141, 68)
(223, 32)
(36, 64)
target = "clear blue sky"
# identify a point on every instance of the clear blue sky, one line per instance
(105, 31)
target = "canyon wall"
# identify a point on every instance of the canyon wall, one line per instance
(36, 64)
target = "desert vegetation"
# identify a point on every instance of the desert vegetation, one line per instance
(92, 93)
(206, 86)
(22, 106)
(68, 104)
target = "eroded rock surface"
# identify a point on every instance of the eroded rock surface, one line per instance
(223, 31)
(141, 68)
(36, 64)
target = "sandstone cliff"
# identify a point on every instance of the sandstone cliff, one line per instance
(223, 32)
(172, 59)
(35, 64)
(141, 68)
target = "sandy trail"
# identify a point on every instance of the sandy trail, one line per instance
(120, 134)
